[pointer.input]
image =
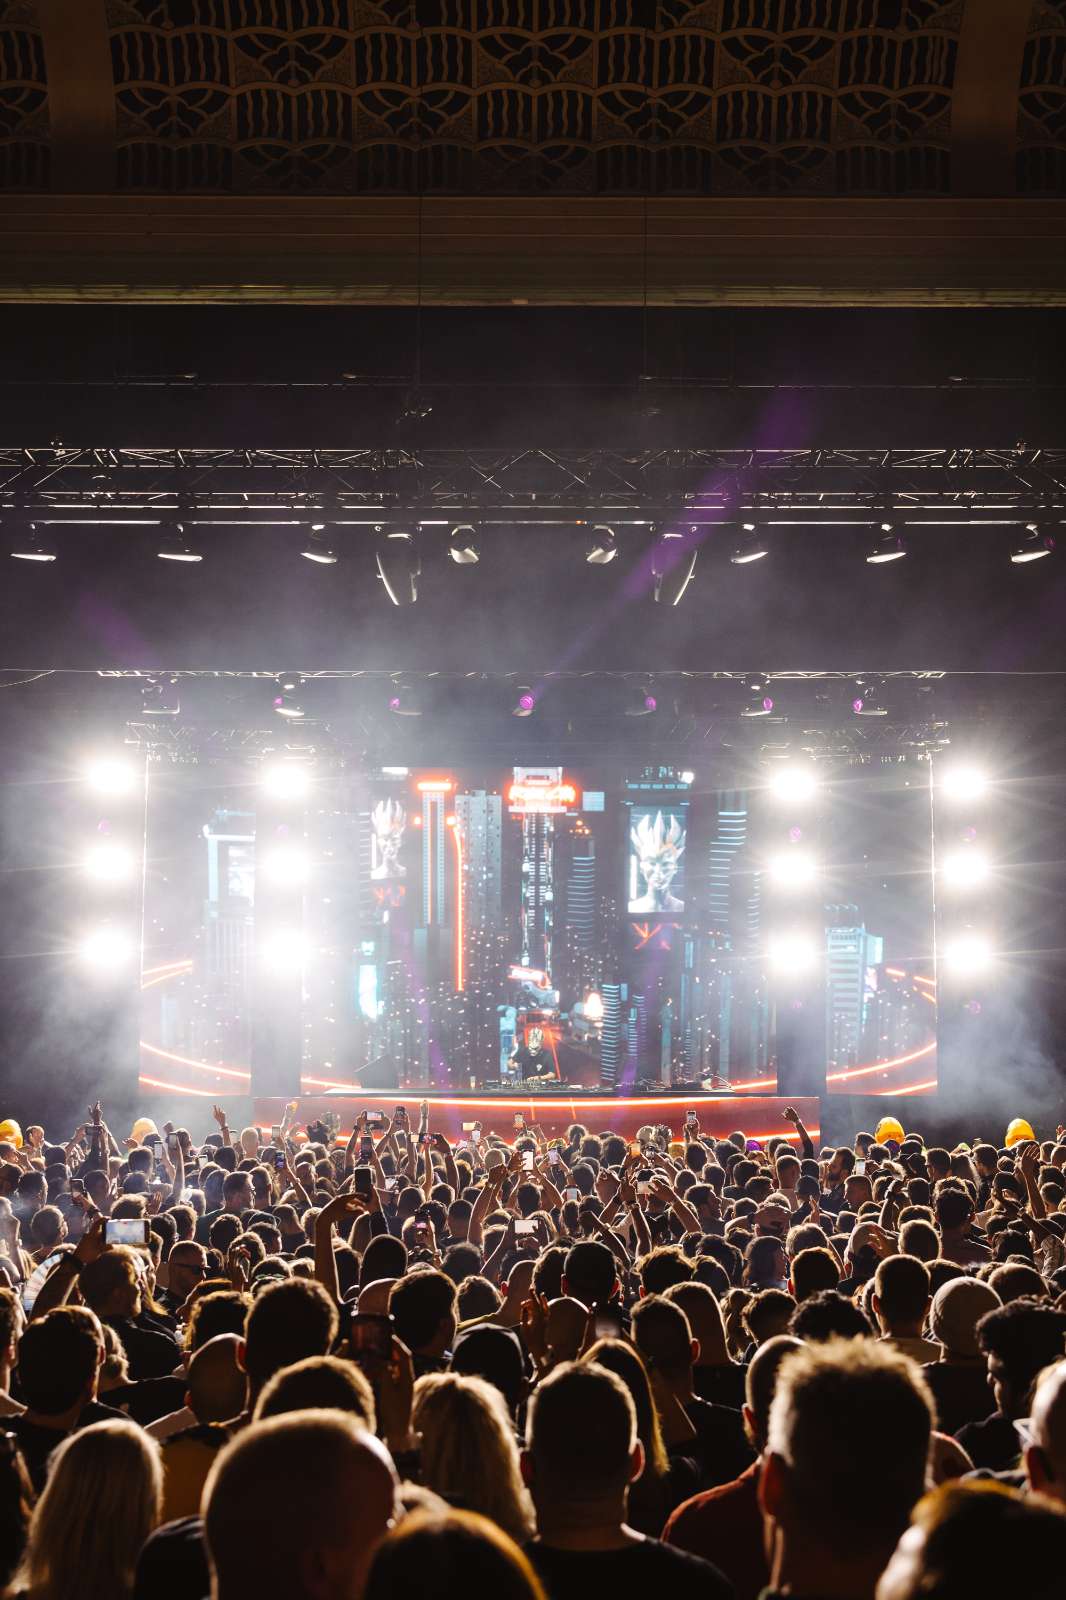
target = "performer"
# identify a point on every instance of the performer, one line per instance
(388, 820)
(658, 847)
(533, 1059)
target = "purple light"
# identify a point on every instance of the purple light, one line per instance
(795, 834)
(394, 703)
(767, 703)
(857, 704)
(650, 702)
(527, 701)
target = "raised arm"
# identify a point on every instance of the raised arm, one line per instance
(806, 1143)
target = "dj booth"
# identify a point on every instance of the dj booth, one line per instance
(757, 1116)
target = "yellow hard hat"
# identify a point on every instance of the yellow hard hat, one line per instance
(1018, 1132)
(889, 1128)
(11, 1133)
(142, 1126)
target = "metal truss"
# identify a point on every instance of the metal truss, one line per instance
(243, 485)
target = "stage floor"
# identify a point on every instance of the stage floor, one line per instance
(758, 1116)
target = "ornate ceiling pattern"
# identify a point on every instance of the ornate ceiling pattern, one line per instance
(728, 98)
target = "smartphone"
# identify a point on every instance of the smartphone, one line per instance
(860, 1169)
(691, 1119)
(524, 1228)
(422, 1232)
(173, 1144)
(362, 1180)
(424, 1139)
(471, 1127)
(279, 1160)
(572, 1194)
(635, 1149)
(275, 1133)
(643, 1188)
(370, 1336)
(127, 1230)
(374, 1119)
(391, 1184)
(366, 1149)
(519, 1121)
(77, 1186)
(401, 1116)
(608, 1322)
(527, 1161)
(553, 1157)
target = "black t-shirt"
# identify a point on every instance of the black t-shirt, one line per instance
(150, 1354)
(720, 1448)
(632, 1573)
(37, 1443)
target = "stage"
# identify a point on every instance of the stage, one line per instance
(759, 1116)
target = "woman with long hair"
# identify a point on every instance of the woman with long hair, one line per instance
(101, 1501)
(469, 1453)
(660, 1487)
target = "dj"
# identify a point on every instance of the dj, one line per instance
(532, 1059)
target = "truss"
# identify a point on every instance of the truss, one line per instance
(126, 484)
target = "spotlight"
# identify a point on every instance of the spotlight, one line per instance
(463, 546)
(283, 951)
(1031, 545)
(751, 545)
(963, 783)
(111, 775)
(286, 701)
(173, 546)
(867, 700)
(602, 546)
(889, 546)
(286, 866)
(315, 547)
(286, 780)
(159, 698)
(687, 776)
(641, 701)
(105, 949)
(108, 863)
(403, 702)
(793, 785)
(398, 563)
(964, 869)
(760, 702)
(34, 546)
(793, 954)
(792, 869)
(594, 1006)
(968, 955)
(673, 562)
(526, 701)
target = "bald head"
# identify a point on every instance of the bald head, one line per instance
(374, 1299)
(1045, 1457)
(217, 1385)
(335, 1484)
(566, 1327)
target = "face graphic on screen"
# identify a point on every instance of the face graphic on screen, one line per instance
(388, 819)
(658, 845)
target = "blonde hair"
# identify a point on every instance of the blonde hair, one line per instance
(469, 1452)
(101, 1501)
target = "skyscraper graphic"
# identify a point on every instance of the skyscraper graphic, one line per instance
(613, 1042)
(480, 821)
(849, 951)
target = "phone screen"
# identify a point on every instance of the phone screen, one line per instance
(522, 1228)
(77, 1186)
(275, 1132)
(527, 1161)
(366, 1149)
(370, 1336)
(469, 1127)
(126, 1230)
(519, 1120)
(279, 1160)
(690, 1119)
(860, 1169)
(572, 1194)
(553, 1157)
(374, 1119)
(608, 1322)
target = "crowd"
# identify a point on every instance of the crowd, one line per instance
(534, 1368)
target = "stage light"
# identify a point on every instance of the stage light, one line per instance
(159, 698)
(962, 784)
(751, 545)
(283, 951)
(793, 954)
(594, 1007)
(525, 702)
(673, 562)
(889, 546)
(760, 702)
(968, 955)
(602, 546)
(315, 547)
(111, 775)
(792, 869)
(641, 700)
(463, 546)
(964, 869)
(108, 863)
(403, 701)
(1031, 545)
(286, 701)
(106, 949)
(286, 780)
(34, 546)
(398, 563)
(687, 776)
(286, 866)
(866, 698)
(793, 785)
(173, 545)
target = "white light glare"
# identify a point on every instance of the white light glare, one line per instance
(283, 951)
(108, 863)
(793, 784)
(792, 869)
(793, 954)
(105, 949)
(286, 780)
(109, 775)
(286, 866)
(964, 869)
(968, 955)
(594, 1007)
(963, 783)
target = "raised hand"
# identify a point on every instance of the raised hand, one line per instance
(219, 1115)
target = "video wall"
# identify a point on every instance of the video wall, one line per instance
(539, 924)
